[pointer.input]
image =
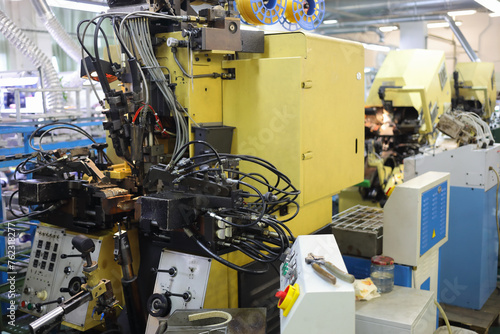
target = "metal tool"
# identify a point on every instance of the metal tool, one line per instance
(332, 272)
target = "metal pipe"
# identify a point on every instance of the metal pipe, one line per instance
(56, 30)
(54, 317)
(385, 21)
(353, 30)
(398, 7)
(24, 45)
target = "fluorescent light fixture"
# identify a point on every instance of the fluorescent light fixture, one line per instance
(492, 5)
(462, 12)
(388, 28)
(376, 47)
(495, 14)
(330, 21)
(441, 24)
(86, 7)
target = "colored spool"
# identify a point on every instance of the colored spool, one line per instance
(308, 14)
(287, 24)
(257, 12)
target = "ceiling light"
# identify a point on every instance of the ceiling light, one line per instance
(462, 12)
(330, 21)
(495, 14)
(87, 7)
(441, 24)
(492, 5)
(376, 47)
(388, 28)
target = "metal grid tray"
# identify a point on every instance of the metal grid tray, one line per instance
(359, 230)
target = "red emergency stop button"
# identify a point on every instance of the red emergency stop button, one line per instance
(288, 298)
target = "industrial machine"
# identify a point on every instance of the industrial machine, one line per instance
(410, 92)
(468, 261)
(305, 284)
(186, 77)
(416, 226)
(474, 88)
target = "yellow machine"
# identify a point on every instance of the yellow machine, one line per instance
(409, 94)
(295, 102)
(474, 88)
(291, 105)
(413, 87)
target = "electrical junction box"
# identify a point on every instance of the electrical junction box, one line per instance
(402, 311)
(416, 218)
(320, 307)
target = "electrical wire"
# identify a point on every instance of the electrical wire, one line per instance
(255, 232)
(445, 318)
(216, 257)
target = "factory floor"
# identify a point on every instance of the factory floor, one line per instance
(484, 321)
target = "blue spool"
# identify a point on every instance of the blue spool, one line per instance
(307, 14)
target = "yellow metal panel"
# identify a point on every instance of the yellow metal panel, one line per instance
(263, 103)
(332, 116)
(302, 113)
(481, 78)
(423, 76)
(202, 97)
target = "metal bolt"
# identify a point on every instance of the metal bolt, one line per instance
(233, 27)
(358, 75)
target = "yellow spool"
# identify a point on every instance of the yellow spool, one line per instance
(257, 12)
(289, 12)
(308, 14)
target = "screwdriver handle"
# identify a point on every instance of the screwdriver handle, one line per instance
(340, 274)
(324, 274)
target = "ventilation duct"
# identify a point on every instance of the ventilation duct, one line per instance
(49, 75)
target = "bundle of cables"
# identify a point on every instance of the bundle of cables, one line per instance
(43, 161)
(255, 228)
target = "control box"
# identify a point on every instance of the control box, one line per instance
(312, 304)
(55, 270)
(416, 217)
(181, 283)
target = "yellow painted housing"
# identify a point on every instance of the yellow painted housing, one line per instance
(424, 81)
(298, 105)
(479, 78)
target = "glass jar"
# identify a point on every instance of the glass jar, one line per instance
(382, 273)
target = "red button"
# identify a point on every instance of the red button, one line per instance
(280, 294)
(23, 304)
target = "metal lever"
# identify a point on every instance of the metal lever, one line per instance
(59, 300)
(64, 256)
(172, 271)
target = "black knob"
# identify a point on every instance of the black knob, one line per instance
(84, 245)
(159, 305)
(74, 286)
(67, 270)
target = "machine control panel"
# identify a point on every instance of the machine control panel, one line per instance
(53, 264)
(305, 294)
(181, 283)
